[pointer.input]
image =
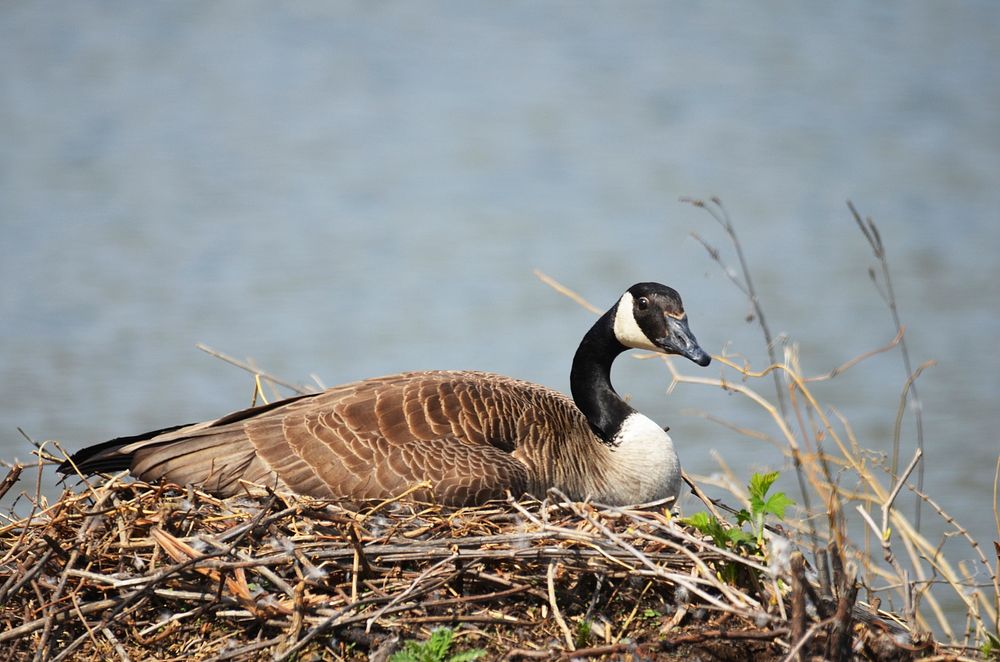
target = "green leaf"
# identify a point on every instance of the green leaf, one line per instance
(710, 526)
(777, 503)
(760, 484)
(756, 507)
(991, 647)
(743, 517)
(408, 654)
(699, 521)
(739, 536)
(439, 642)
(435, 649)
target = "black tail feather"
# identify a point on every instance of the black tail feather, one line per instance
(103, 458)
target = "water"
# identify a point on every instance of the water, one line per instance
(362, 188)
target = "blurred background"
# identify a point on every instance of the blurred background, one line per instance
(356, 188)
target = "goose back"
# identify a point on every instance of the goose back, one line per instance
(471, 435)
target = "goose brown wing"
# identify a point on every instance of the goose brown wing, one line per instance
(370, 439)
(380, 437)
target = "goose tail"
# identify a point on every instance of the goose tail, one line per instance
(109, 456)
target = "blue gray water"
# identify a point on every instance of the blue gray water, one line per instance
(355, 188)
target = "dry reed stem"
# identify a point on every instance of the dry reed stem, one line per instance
(874, 238)
(924, 551)
(565, 291)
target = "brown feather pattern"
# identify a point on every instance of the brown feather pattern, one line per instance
(472, 436)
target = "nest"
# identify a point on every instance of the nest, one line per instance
(129, 570)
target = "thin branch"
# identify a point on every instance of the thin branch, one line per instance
(871, 233)
(565, 291)
(721, 215)
(253, 370)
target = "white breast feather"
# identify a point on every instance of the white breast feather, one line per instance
(644, 466)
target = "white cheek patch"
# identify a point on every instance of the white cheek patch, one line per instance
(627, 330)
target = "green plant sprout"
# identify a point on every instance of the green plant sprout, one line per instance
(761, 505)
(435, 649)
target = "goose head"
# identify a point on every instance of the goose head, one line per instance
(651, 316)
(647, 316)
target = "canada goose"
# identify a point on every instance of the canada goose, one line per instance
(472, 436)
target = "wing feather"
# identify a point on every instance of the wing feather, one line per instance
(472, 436)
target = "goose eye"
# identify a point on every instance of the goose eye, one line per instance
(642, 303)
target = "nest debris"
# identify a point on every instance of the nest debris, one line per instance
(127, 570)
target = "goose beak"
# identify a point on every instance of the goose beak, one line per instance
(681, 341)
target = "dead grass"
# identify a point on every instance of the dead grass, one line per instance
(135, 571)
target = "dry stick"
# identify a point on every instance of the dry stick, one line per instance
(839, 643)
(81, 537)
(704, 498)
(852, 461)
(810, 633)
(245, 651)
(39, 623)
(336, 617)
(931, 555)
(11, 478)
(14, 585)
(251, 369)
(116, 644)
(871, 233)
(908, 387)
(887, 506)
(883, 533)
(550, 583)
(481, 597)
(597, 651)
(518, 653)
(928, 597)
(834, 507)
(130, 600)
(721, 633)
(799, 583)
(843, 367)
(66, 652)
(696, 555)
(996, 500)
(778, 417)
(27, 522)
(565, 291)
(83, 620)
(657, 570)
(413, 585)
(996, 515)
(722, 216)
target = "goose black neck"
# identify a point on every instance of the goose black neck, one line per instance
(590, 379)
